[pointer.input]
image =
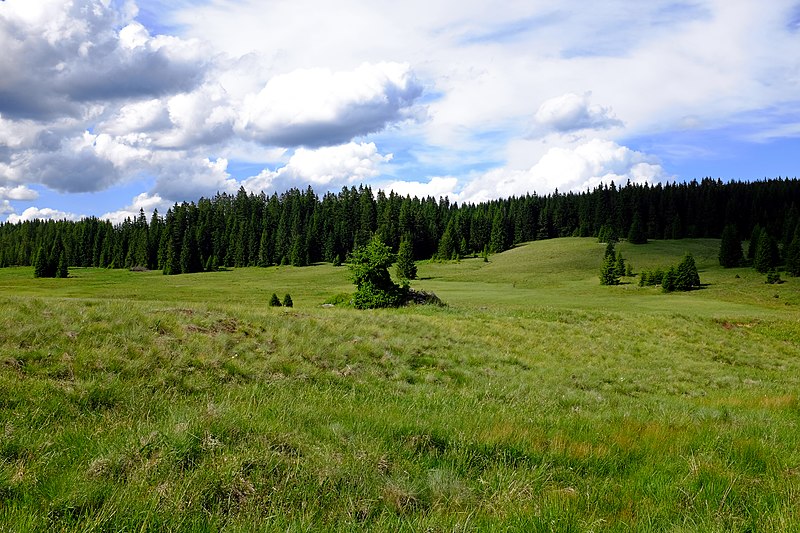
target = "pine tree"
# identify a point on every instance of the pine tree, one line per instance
(686, 276)
(40, 263)
(793, 254)
(730, 248)
(668, 281)
(766, 253)
(752, 246)
(619, 264)
(406, 268)
(608, 272)
(636, 234)
(62, 271)
(287, 301)
(274, 301)
(610, 251)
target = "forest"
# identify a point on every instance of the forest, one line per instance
(300, 228)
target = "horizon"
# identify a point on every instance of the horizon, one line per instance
(108, 107)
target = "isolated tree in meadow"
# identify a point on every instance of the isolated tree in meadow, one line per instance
(287, 301)
(730, 248)
(369, 268)
(274, 301)
(766, 254)
(406, 267)
(686, 275)
(608, 272)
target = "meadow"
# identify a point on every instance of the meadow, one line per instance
(537, 400)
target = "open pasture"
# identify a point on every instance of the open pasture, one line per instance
(538, 400)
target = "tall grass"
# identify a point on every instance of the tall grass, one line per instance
(536, 401)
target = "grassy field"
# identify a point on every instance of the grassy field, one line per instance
(536, 401)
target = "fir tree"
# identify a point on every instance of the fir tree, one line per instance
(287, 301)
(766, 253)
(369, 266)
(608, 272)
(274, 301)
(668, 281)
(406, 268)
(619, 265)
(730, 248)
(40, 263)
(752, 246)
(686, 276)
(62, 271)
(793, 254)
(636, 234)
(610, 251)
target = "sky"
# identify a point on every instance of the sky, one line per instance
(112, 106)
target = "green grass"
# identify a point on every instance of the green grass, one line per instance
(536, 401)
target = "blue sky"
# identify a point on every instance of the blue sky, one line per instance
(109, 106)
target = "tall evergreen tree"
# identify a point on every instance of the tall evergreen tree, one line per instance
(730, 248)
(793, 254)
(406, 267)
(608, 272)
(686, 275)
(62, 270)
(636, 234)
(766, 253)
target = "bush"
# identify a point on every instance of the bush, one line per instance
(274, 301)
(369, 266)
(773, 277)
(287, 301)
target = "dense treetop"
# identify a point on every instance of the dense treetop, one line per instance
(299, 227)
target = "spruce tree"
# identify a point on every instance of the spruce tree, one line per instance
(40, 263)
(608, 272)
(668, 281)
(619, 264)
(686, 276)
(636, 234)
(274, 301)
(793, 254)
(730, 248)
(287, 301)
(62, 271)
(755, 237)
(766, 253)
(406, 268)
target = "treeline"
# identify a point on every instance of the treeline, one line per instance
(299, 228)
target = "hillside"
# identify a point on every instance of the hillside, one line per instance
(536, 401)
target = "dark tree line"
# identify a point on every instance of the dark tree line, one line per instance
(299, 227)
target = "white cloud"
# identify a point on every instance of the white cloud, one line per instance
(144, 201)
(5, 207)
(571, 112)
(44, 213)
(20, 192)
(328, 168)
(436, 187)
(318, 107)
(569, 169)
(189, 179)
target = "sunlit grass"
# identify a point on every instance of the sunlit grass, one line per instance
(536, 401)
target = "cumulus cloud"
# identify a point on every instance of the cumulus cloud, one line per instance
(569, 169)
(188, 179)
(20, 192)
(571, 112)
(436, 187)
(60, 56)
(318, 107)
(146, 201)
(327, 167)
(44, 213)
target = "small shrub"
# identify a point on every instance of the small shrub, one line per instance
(287, 301)
(773, 277)
(274, 301)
